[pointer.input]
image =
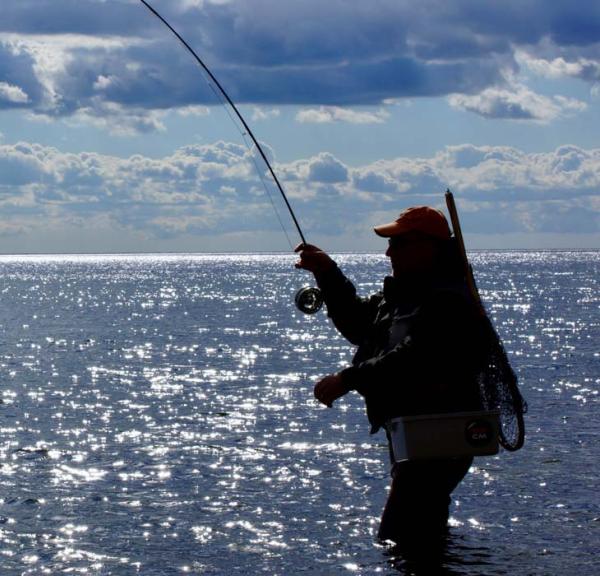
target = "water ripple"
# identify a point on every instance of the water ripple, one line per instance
(157, 418)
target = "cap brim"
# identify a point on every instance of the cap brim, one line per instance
(388, 230)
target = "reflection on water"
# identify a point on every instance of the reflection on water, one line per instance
(448, 556)
(157, 418)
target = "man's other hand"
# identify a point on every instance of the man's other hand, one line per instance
(329, 389)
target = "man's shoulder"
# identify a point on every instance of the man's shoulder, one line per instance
(448, 300)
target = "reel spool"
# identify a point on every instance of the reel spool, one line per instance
(309, 300)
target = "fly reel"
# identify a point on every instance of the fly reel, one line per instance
(309, 300)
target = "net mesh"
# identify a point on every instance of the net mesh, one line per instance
(499, 390)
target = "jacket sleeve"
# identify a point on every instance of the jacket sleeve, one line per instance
(352, 316)
(445, 345)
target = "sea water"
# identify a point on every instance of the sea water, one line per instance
(157, 418)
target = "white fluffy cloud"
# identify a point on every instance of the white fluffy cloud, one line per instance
(330, 114)
(517, 102)
(570, 64)
(259, 114)
(12, 94)
(211, 189)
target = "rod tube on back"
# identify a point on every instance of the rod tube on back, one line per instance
(237, 112)
(461, 247)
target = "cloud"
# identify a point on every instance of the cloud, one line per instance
(59, 57)
(510, 175)
(559, 67)
(370, 179)
(581, 64)
(517, 103)
(326, 168)
(12, 94)
(330, 114)
(57, 17)
(19, 86)
(260, 114)
(214, 190)
(120, 120)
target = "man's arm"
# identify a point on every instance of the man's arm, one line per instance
(447, 343)
(351, 315)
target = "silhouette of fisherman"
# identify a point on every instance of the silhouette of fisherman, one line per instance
(421, 345)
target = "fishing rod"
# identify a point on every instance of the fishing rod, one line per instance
(308, 300)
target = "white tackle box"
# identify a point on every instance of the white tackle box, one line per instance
(444, 435)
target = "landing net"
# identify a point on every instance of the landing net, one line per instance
(499, 391)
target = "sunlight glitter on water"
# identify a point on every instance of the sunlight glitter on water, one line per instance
(159, 419)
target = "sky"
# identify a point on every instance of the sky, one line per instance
(113, 140)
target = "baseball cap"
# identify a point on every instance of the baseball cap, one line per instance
(417, 219)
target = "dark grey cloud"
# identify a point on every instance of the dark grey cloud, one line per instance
(96, 54)
(529, 21)
(93, 17)
(16, 72)
(357, 83)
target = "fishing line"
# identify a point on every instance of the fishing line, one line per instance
(237, 112)
(260, 172)
(269, 195)
(308, 300)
